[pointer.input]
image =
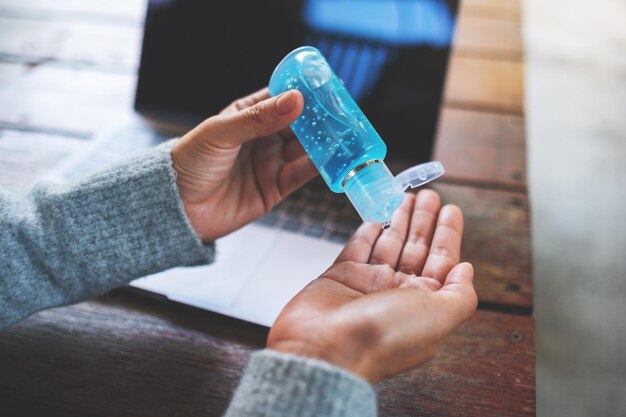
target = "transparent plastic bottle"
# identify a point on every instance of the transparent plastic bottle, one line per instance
(340, 140)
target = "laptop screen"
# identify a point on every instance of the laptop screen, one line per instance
(199, 55)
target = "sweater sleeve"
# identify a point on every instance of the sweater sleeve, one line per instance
(276, 384)
(62, 244)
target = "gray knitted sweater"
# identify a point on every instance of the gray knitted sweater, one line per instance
(62, 244)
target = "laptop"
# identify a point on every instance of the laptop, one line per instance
(200, 55)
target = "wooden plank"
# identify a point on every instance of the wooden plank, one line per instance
(484, 84)
(77, 43)
(9, 73)
(484, 37)
(62, 99)
(486, 368)
(482, 148)
(113, 11)
(110, 359)
(127, 356)
(496, 241)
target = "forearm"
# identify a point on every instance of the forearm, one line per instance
(277, 384)
(63, 244)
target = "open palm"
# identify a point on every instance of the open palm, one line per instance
(234, 167)
(390, 297)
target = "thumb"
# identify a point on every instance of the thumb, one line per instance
(262, 119)
(459, 291)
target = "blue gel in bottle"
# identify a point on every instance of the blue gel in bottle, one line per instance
(340, 140)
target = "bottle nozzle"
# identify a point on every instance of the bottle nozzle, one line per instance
(370, 188)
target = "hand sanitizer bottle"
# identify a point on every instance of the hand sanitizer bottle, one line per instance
(340, 140)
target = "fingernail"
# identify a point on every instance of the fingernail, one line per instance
(286, 102)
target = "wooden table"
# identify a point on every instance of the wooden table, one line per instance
(125, 355)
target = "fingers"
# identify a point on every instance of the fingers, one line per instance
(445, 248)
(458, 290)
(287, 135)
(295, 174)
(293, 150)
(247, 101)
(261, 119)
(359, 247)
(420, 234)
(459, 279)
(389, 245)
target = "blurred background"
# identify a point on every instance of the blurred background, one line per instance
(575, 87)
(576, 132)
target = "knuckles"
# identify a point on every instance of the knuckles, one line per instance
(240, 104)
(257, 116)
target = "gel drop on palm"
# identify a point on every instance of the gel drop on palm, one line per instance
(340, 140)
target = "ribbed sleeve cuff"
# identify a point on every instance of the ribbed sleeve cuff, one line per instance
(126, 222)
(277, 384)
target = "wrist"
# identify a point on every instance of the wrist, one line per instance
(352, 362)
(194, 218)
(192, 211)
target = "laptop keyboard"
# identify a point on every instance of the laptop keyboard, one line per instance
(314, 211)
